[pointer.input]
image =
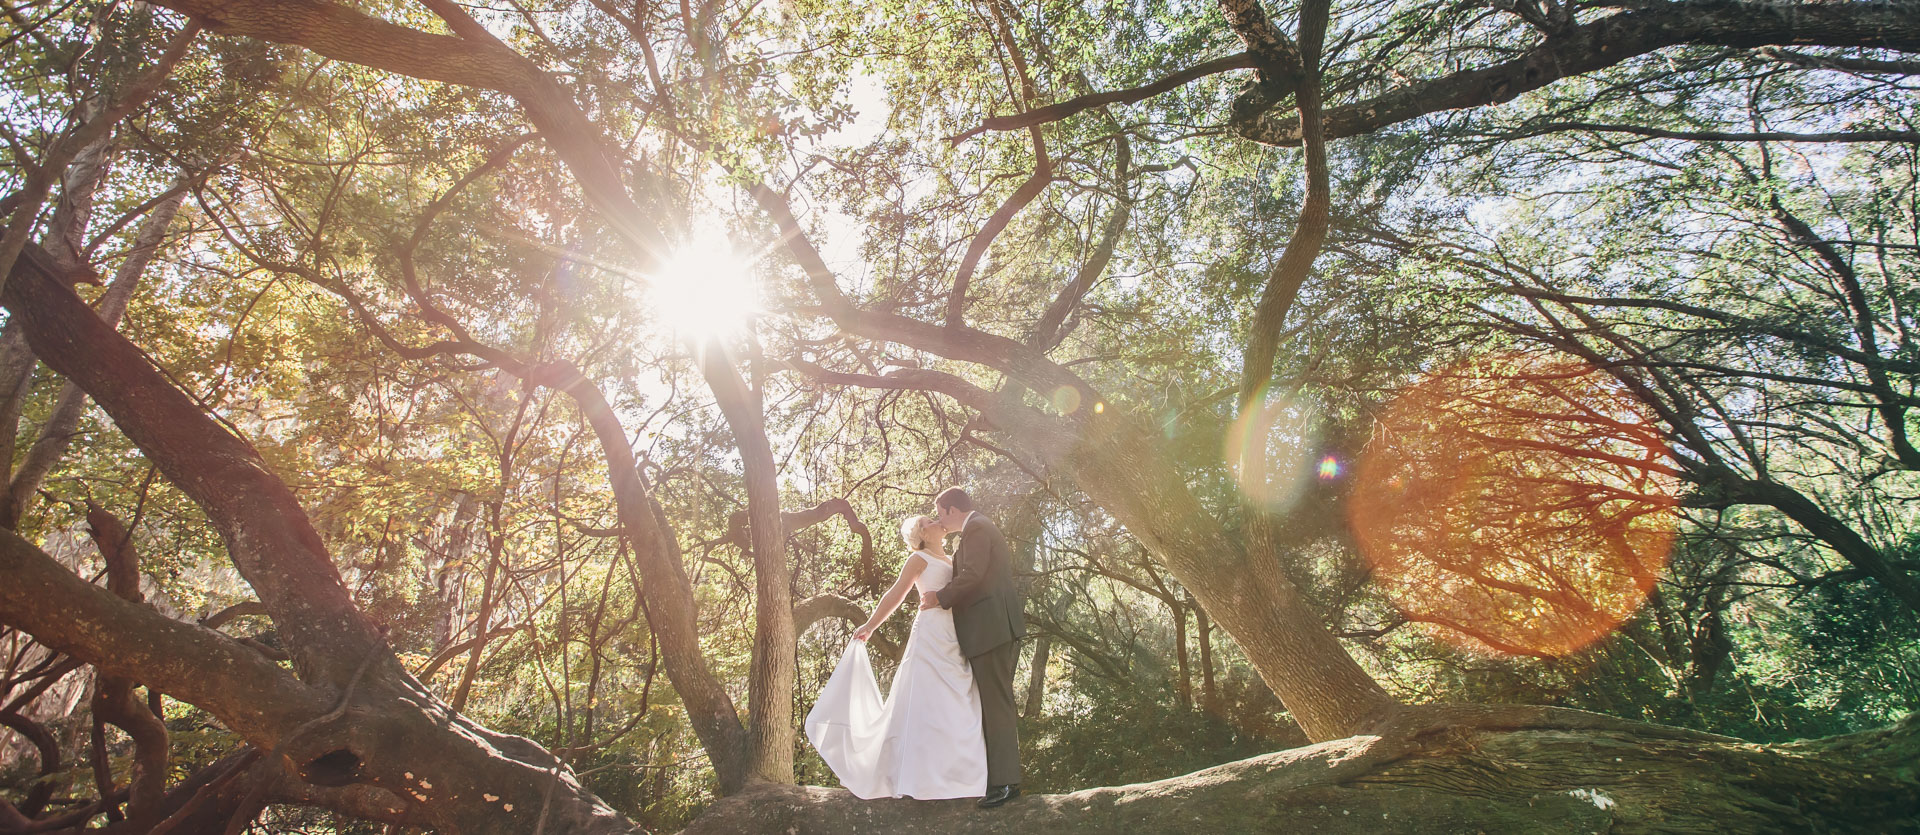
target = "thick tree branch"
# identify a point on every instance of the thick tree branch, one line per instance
(267, 532)
(671, 609)
(1276, 55)
(252, 695)
(237, 610)
(1723, 487)
(1611, 40)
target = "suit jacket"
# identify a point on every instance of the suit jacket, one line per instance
(987, 608)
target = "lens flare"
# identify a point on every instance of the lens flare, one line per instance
(1066, 400)
(1271, 450)
(704, 289)
(1521, 504)
(1329, 468)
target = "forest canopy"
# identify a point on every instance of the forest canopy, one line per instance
(494, 417)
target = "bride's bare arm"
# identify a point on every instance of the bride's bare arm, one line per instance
(909, 572)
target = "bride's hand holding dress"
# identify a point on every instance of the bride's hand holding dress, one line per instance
(924, 739)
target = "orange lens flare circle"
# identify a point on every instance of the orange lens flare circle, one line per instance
(1519, 504)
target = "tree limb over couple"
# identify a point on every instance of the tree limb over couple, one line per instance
(949, 728)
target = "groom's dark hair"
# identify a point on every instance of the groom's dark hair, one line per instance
(954, 497)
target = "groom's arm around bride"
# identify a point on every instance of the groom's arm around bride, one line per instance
(988, 619)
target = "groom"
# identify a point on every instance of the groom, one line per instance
(989, 618)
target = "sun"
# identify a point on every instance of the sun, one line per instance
(704, 289)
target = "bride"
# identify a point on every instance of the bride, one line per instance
(924, 741)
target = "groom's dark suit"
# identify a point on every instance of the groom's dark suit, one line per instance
(989, 617)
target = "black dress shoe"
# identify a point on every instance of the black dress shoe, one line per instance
(999, 795)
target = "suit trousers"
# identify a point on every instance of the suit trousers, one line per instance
(999, 719)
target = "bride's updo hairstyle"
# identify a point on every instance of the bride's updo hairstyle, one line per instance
(913, 531)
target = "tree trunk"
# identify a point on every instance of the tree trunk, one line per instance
(56, 434)
(672, 612)
(1247, 594)
(1438, 769)
(1183, 684)
(449, 580)
(771, 678)
(1037, 677)
(113, 698)
(1200, 625)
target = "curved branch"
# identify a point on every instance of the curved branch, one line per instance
(996, 223)
(237, 610)
(1035, 184)
(795, 521)
(1011, 357)
(821, 607)
(1061, 110)
(440, 658)
(903, 379)
(1609, 41)
(1309, 230)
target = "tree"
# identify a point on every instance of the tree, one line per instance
(1047, 364)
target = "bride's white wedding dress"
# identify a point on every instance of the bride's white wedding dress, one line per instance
(924, 740)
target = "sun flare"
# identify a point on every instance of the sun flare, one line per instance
(704, 289)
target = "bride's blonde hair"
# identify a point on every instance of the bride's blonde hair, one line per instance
(913, 531)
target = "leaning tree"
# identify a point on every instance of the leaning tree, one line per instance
(359, 732)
